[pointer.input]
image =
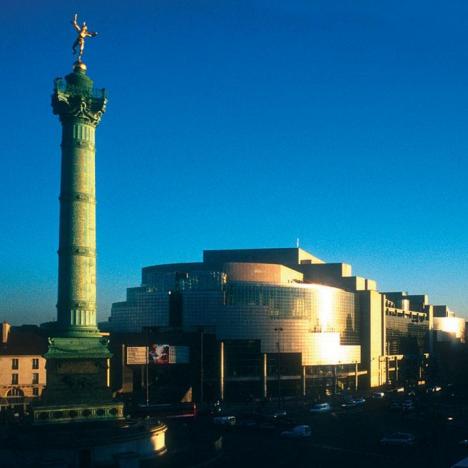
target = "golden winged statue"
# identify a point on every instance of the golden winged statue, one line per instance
(83, 33)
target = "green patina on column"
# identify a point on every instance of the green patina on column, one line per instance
(80, 108)
(78, 356)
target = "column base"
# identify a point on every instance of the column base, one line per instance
(55, 414)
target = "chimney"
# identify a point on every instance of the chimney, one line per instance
(5, 332)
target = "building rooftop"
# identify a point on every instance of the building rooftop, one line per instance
(22, 341)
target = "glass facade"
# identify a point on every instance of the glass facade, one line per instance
(407, 334)
(183, 281)
(259, 302)
(319, 322)
(326, 309)
(144, 307)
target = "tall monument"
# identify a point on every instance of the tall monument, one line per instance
(76, 422)
(78, 357)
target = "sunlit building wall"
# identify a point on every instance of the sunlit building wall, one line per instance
(326, 315)
(260, 298)
(22, 367)
(450, 329)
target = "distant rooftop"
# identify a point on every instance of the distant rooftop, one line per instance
(26, 340)
(281, 256)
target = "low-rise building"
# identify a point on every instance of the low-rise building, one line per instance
(22, 366)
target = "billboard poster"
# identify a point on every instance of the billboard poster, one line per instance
(159, 354)
(136, 355)
(162, 354)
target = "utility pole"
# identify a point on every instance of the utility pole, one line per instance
(146, 375)
(146, 367)
(221, 371)
(278, 344)
(202, 370)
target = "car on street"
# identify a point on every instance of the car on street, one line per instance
(297, 432)
(434, 389)
(348, 403)
(378, 395)
(278, 414)
(404, 439)
(224, 420)
(320, 408)
(359, 400)
(248, 423)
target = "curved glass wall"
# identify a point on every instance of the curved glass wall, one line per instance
(327, 309)
(182, 281)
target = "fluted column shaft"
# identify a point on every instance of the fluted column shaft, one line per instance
(76, 305)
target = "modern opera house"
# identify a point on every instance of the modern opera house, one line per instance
(280, 320)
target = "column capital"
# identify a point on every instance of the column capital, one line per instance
(74, 103)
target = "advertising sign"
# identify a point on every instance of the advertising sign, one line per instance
(162, 354)
(159, 354)
(136, 355)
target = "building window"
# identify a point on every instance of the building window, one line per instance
(35, 379)
(35, 363)
(35, 391)
(15, 363)
(15, 392)
(14, 379)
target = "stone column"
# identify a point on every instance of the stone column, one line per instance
(80, 108)
(78, 356)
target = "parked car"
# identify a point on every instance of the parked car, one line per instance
(320, 408)
(359, 400)
(434, 389)
(404, 439)
(348, 403)
(278, 414)
(249, 423)
(224, 420)
(378, 395)
(297, 432)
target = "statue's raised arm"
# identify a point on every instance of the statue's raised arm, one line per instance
(75, 23)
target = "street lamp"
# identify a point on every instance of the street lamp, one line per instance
(202, 367)
(278, 345)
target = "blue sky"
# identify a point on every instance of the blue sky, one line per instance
(236, 124)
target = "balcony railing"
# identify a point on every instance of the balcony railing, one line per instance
(62, 86)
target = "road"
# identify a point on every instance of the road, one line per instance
(350, 438)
